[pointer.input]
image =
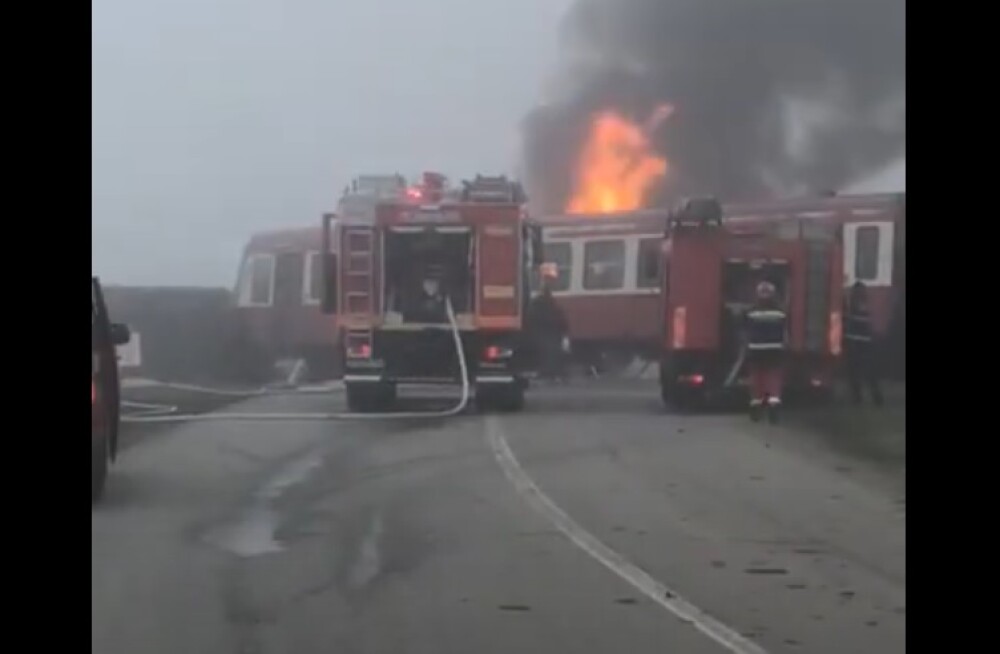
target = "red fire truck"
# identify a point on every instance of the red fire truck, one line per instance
(710, 271)
(479, 249)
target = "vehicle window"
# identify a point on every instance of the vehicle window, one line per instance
(314, 278)
(604, 265)
(257, 283)
(560, 254)
(866, 245)
(648, 273)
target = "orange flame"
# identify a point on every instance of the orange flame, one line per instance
(618, 166)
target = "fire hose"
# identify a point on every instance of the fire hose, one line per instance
(736, 367)
(152, 413)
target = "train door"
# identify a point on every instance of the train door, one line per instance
(288, 280)
(868, 253)
(868, 257)
(647, 309)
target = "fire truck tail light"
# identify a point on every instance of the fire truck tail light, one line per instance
(680, 327)
(361, 351)
(836, 331)
(494, 352)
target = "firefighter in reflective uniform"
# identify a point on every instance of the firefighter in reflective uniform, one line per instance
(548, 328)
(766, 327)
(859, 351)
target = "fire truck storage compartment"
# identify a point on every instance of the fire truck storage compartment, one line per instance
(740, 278)
(411, 253)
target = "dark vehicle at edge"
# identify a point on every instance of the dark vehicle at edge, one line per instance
(105, 392)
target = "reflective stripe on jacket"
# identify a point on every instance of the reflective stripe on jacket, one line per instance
(766, 329)
(858, 326)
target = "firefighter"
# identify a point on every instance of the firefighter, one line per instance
(430, 303)
(548, 329)
(859, 351)
(766, 326)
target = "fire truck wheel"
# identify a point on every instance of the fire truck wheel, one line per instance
(513, 399)
(681, 400)
(385, 397)
(369, 398)
(665, 395)
(507, 399)
(361, 398)
(99, 455)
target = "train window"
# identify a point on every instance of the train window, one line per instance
(313, 288)
(603, 265)
(560, 254)
(257, 283)
(866, 243)
(648, 273)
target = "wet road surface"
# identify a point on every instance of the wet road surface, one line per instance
(592, 522)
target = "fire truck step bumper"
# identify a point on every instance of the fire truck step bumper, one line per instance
(362, 379)
(496, 379)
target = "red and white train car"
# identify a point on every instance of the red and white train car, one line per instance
(608, 281)
(610, 265)
(278, 297)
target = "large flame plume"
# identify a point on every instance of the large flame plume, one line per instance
(617, 167)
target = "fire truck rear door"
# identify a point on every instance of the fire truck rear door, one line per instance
(498, 271)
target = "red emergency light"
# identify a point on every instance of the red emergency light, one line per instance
(414, 193)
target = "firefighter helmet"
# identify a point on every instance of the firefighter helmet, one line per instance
(765, 291)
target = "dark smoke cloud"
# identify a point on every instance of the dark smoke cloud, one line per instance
(744, 76)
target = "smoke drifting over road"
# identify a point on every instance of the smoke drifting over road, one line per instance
(769, 96)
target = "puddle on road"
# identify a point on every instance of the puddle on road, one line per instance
(368, 564)
(252, 532)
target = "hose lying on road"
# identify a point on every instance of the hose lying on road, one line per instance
(147, 409)
(154, 411)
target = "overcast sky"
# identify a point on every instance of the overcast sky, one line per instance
(213, 119)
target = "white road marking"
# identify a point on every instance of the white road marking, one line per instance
(666, 597)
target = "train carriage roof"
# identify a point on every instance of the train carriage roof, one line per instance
(843, 206)
(298, 239)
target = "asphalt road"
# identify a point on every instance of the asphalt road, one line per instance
(592, 522)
